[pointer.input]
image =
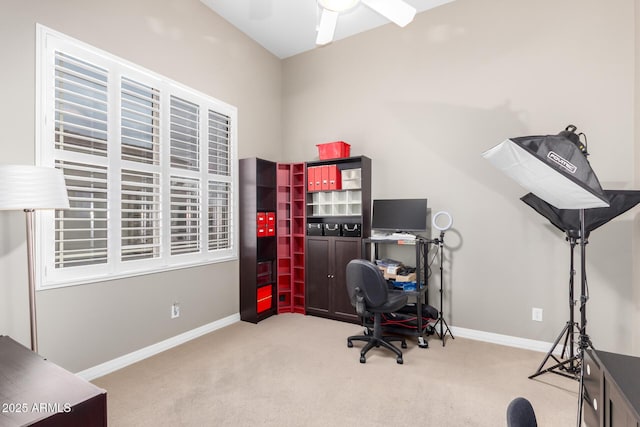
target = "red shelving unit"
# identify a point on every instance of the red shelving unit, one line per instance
(298, 230)
(290, 231)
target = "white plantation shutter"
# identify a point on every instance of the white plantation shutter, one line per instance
(140, 124)
(185, 135)
(140, 213)
(80, 106)
(81, 232)
(219, 169)
(80, 133)
(185, 215)
(219, 215)
(219, 147)
(150, 168)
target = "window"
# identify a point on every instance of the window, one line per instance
(150, 168)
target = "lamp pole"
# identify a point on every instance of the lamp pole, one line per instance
(30, 188)
(32, 278)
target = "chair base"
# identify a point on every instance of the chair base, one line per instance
(373, 341)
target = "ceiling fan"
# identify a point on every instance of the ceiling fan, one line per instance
(397, 11)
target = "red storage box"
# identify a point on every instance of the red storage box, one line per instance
(264, 299)
(333, 150)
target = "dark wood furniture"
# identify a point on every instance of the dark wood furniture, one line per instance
(326, 276)
(257, 194)
(36, 392)
(327, 255)
(611, 389)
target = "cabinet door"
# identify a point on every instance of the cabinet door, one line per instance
(317, 276)
(344, 251)
(617, 413)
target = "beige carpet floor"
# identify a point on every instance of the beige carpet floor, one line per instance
(296, 370)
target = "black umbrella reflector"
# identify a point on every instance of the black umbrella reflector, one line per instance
(568, 220)
(553, 168)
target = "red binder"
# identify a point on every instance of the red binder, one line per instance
(271, 223)
(261, 223)
(325, 177)
(318, 178)
(311, 179)
(335, 178)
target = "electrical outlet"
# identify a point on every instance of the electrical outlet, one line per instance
(175, 310)
(536, 314)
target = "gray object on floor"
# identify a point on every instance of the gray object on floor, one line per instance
(520, 413)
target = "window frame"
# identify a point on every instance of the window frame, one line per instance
(48, 276)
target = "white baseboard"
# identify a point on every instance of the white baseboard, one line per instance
(524, 343)
(143, 353)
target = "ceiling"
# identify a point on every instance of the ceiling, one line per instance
(288, 27)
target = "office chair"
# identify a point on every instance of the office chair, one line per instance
(370, 295)
(520, 413)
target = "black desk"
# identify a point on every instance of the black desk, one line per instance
(421, 245)
(611, 389)
(36, 392)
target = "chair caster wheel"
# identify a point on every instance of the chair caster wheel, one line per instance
(404, 344)
(363, 359)
(349, 344)
(399, 361)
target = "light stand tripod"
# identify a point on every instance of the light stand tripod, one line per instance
(555, 169)
(569, 367)
(441, 321)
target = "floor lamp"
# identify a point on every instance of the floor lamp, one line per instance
(30, 188)
(555, 168)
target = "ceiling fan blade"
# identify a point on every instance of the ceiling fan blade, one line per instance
(396, 11)
(327, 26)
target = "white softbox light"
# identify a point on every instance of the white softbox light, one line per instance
(553, 168)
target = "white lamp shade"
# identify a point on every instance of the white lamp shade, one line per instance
(32, 187)
(543, 180)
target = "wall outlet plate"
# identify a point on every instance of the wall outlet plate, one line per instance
(536, 314)
(175, 310)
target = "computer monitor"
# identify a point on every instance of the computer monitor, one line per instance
(399, 215)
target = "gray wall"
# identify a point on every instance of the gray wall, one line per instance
(425, 101)
(82, 326)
